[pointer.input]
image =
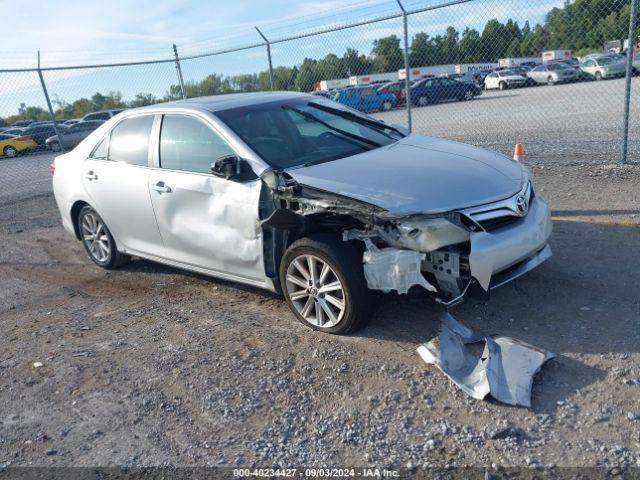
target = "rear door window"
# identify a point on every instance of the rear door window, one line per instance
(130, 140)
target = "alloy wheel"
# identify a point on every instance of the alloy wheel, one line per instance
(315, 291)
(95, 237)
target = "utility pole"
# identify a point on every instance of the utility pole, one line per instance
(269, 57)
(46, 97)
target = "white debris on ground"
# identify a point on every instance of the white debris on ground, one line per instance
(505, 370)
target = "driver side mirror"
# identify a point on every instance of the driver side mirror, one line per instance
(232, 167)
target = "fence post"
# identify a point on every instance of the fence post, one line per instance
(179, 70)
(46, 97)
(633, 21)
(269, 57)
(407, 80)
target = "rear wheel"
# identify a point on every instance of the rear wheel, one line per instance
(55, 146)
(323, 282)
(550, 80)
(423, 100)
(598, 76)
(502, 86)
(98, 241)
(10, 151)
(386, 106)
(468, 95)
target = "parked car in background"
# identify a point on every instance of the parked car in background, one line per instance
(73, 135)
(436, 90)
(71, 121)
(503, 79)
(471, 77)
(101, 115)
(22, 123)
(13, 131)
(550, 73)
(602, 67)
(40, 133)
(395, 89)
(365, 99)
(12, 145)
(523, 71)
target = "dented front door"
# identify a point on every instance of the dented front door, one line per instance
(209, 222)
(205, 221)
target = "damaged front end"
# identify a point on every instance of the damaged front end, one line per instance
(446, 254)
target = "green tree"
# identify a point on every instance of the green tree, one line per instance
(387, 54)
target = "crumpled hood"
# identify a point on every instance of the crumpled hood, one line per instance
(418, 174)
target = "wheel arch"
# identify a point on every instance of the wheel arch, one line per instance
(75, 213)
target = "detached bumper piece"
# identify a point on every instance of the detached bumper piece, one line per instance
(505, 370)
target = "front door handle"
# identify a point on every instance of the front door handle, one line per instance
(91, 176)
(160, 187)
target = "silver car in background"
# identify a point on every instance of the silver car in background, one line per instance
(551, 73)
(299, 195)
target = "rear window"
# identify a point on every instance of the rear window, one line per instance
(130, 140)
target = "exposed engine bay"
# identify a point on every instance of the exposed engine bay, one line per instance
(432, 251)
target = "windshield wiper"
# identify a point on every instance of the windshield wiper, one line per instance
(313, 118)
(358, 118)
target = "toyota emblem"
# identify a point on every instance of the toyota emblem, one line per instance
(522, 205)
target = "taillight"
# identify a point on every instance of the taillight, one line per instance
(52, 168)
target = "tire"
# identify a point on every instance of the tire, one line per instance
(10, 151)
(101, 248)
(55, 146)
(423, 101)
(346, 278)
(386, 106)
(550, 80)
(502, 86)
(598, 76)
(468, 95)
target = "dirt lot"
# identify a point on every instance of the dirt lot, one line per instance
(155, 366)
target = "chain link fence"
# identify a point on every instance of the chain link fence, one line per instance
(554, 75)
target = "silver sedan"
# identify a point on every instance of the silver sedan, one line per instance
(302, 196)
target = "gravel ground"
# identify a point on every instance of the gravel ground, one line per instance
(150, 365)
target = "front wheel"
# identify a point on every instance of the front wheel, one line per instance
(502, 86)
(10, 151)
(386, 106)
(323, 282)
(469, 95)
(55, 146)
(98, 241)
(598, 76)
(423, 101)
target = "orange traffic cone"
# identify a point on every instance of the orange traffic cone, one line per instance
(518, 153)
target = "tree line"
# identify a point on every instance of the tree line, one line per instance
(582, 26)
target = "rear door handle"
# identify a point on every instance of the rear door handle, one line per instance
(91, 176)
(160, 187)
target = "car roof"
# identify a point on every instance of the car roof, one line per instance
(216, 103)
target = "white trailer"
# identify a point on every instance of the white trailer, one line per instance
(333, 84)
(517, 61)
(554, 55)
(417, 73)
(464, 68)
(358, 80)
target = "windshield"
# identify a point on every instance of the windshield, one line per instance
(306, 132)
(605, 61)
(556, 66)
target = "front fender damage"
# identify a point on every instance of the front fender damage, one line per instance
(445, 254)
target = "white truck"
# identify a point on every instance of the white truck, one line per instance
(554, 55)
